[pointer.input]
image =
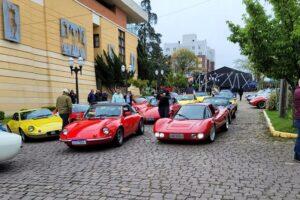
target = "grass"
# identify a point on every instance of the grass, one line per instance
(282, 124)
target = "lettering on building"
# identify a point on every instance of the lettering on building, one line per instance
(11, 21)
(73, 39)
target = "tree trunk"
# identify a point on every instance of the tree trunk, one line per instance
(283, 98)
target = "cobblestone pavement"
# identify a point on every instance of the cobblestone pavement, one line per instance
(243, 163)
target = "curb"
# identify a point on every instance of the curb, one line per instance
(278, 133)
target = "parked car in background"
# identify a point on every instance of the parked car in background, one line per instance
(200, 96)
(151, 114)
(10, 145)
(103, 123)
(187, 99)
(141, 103)
(261, 100)
(259, 93)
(229, 95)
(78, 111)
(222, 102)
(193, 122)
(35, 123)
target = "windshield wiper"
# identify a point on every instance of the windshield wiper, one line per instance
(181, 115)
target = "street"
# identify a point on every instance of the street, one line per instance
(243, 163)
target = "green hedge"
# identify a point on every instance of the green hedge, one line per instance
(2, 115)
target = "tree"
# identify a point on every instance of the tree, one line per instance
(177, 80)
(184, 60)
(271, 43)
(150, 55)
(108, 71)
(141, 84)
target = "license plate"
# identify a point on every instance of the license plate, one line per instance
(78, 142)
(176, 136)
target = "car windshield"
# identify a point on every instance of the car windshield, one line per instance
(217, 101)
(201, 94)
(140, 100)
(185, 97)
(190, 112)
(80, 108)
(35, 114)
(103, 111)
(153, 102)
(228, 95)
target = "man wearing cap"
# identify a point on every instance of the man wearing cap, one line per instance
(64, 106)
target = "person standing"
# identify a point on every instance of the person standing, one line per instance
(128, 98)
(98, 96)
(73, 96)
(64, 106)
(91, 97)
(297, 121)
(190, 89)
(241, 92)
(164, 106)
(118, 97)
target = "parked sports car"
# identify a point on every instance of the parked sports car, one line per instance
(228, 95)
(222, 102)
(78, 111)
(10, 145)
(187, 99)
(151, 114)
(140, 103)
(193, 122)
(200, 96)
(259, 101)
(103, 123)
(35, 123)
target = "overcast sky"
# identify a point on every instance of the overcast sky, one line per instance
(206, 18)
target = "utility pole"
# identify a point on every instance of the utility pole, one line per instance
(283, 98)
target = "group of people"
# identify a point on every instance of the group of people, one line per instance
(117, 97)
(96, 97)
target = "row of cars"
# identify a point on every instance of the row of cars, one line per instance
(111, 122)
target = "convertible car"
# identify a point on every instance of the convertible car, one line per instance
(78, 111)
(229, 95)
(194, 122)
(151, 114)
(35, 123)
(187, 99)
(200, 96)
(141, 103)
(10, 145)
(222, 102)
(103, 123)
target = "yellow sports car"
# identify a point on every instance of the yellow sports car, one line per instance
(35, 123)
(201, 96)
(187, 99)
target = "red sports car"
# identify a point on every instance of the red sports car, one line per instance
(103, 123)
(259, 102)
(78, 111)
(193, 122)
(151, 114)
(140, 103)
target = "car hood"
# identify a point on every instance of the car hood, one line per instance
(44, 122)
(182, 126)
(151, 112)
(87, 128)
(184, 102)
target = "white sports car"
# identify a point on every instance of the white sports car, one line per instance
(10, 145)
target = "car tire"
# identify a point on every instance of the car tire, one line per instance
(261, 105)
(23, 136)
(119, 137)
(226, 125)
(141, 128)
(212, 134)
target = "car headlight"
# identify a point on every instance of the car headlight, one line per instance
(65, 131)
(200, 136)
(30, 128)
(156, 135)
(105, 131)
(161, 135)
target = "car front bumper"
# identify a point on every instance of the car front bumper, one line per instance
(87, 141)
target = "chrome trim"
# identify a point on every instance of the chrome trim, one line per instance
(88, 140)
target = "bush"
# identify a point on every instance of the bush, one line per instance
(2, 115)
(51, 108)
(272, 102)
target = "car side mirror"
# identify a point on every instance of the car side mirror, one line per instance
(172, 113)
(127, 113)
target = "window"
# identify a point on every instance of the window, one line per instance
(132, 61)
(96, 41)
(110, 50)
(122, 45)
(193, 47)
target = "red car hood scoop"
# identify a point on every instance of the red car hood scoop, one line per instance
(179, 126)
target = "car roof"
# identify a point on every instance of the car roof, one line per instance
(110, 104)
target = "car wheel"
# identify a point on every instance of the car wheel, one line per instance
(119, 138)
(141, 128)
(261, 105)
(23, 136)
(226, 125)
(212, 135)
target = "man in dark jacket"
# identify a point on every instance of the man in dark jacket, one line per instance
(241, 92)
(297, 121)
(98, 96)
(73, 96)
(91, 97)
(164, 106)
(128, 98)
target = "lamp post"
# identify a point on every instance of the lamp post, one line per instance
(76, 68)
(158, 74)
(123, 69)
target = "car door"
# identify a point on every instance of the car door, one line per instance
(218, 118)
(15, 123)
(128, 121)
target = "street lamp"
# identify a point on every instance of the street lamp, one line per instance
(76, 68)
(158, 74)
(123, 69)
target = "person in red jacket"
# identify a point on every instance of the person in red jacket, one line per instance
(297, 120)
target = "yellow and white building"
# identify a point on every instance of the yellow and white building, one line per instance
(37, 37)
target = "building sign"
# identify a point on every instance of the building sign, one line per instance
(11, 21)
(73, 39)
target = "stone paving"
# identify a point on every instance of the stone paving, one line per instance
(243, 163)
